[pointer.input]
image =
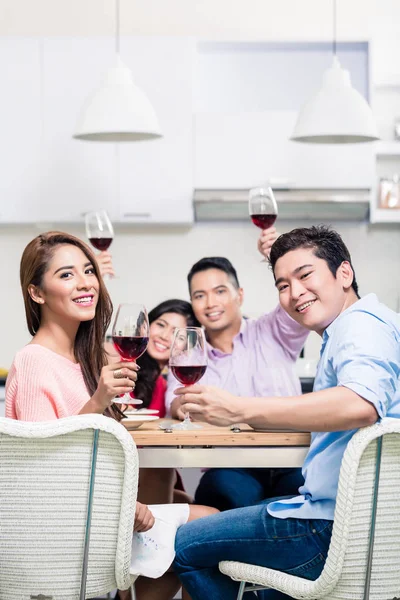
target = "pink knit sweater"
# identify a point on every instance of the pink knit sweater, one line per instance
(42, 386)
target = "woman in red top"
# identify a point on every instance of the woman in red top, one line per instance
(163, 319)
(161, 486)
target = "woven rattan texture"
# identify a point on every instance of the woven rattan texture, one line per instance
(343, 576)
(44, 484)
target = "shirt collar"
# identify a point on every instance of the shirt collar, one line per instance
(366, 303)
(215, 352)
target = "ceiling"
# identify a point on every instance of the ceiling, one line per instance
(215, 19)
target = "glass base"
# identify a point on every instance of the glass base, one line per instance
(126, 399)
(186, 425)
(235, 428)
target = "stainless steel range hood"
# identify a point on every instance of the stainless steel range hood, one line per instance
(314, 204)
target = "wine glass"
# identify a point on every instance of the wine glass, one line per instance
(99, 230)
(130, 336)
(188, 362)
(263, 208)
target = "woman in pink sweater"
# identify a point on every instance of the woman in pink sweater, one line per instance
(64, 370)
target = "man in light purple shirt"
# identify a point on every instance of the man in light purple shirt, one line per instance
(248, 358)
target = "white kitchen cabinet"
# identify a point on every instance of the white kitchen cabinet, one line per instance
(48, 177)
(21, 128)
(242, 128)
(156, 177)
(385, 71)
(77, 176)
(248, 149)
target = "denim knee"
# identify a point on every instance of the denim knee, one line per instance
(182, 541)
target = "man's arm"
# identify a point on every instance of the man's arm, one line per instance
(335, 409)
(366, 385)
(285, 331)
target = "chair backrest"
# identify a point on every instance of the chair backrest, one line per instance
(45, 471)
(346, 568)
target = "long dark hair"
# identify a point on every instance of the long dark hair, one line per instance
(88, 346)
(149, 367)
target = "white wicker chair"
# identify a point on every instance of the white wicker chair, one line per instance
(50, 489)
(364, 555)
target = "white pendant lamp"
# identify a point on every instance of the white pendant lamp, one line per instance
(118, 111)
(337, 113)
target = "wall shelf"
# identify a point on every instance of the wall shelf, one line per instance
(388, 148)
(385, 215)
(388, 84)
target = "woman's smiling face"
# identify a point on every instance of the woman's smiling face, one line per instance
(70, 288)
(161, 335)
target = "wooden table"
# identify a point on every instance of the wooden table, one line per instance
(219, 447)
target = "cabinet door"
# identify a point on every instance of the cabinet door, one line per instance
(249, 149)
(77, 176)
(21, 128)
(156, 181)
(240, 150)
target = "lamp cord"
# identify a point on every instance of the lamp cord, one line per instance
(117, 26)
(334, 28)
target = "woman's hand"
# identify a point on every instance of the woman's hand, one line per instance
(104, 260)
(115, 379)
(266, 239)
(144, 519)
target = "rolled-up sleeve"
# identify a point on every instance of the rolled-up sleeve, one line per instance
(369, 363)
(285, 331)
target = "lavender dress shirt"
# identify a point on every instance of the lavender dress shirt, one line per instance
(262, 361)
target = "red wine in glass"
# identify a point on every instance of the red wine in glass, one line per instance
(263, 209)
(130, 334)
(188, 375)
(188, 362)
(263, 221)
(101, 243)
(130, 348)
(99, 230)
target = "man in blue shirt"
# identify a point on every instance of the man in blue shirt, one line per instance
(357, 383)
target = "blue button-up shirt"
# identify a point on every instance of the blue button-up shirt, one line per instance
(361, 351)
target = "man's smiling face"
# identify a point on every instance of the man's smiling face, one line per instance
(215, 299)
(308, 291)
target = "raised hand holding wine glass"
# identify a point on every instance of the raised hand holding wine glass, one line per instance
(130, 335)
(99, 230)
(263, 209)
(188, 362)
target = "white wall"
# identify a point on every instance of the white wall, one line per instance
(152, 264)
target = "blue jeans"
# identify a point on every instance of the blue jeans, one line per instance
(249, 535)
(234, 488)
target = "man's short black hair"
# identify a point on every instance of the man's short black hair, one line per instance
(323, 241)
(214, 262)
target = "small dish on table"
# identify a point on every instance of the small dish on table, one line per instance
(134, 421)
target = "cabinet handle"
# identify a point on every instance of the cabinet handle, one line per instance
(142, 215)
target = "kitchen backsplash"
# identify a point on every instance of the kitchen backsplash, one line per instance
(152, 263)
